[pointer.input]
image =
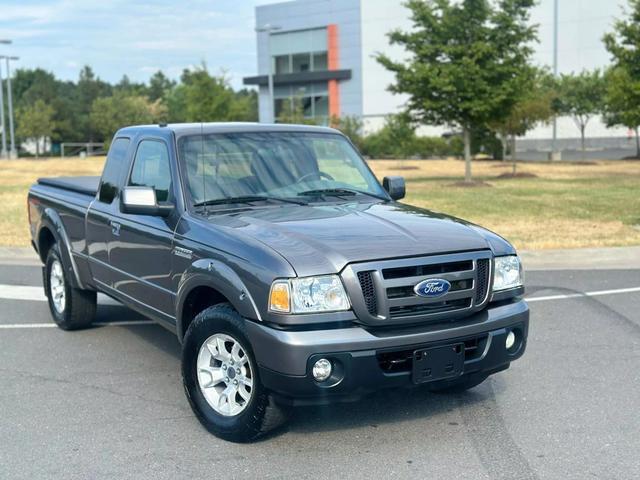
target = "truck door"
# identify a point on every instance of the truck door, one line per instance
(140, 254)
(99, 228)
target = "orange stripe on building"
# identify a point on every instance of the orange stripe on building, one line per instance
(333, 64)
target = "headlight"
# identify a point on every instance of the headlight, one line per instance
(507, 273)
(308, 295)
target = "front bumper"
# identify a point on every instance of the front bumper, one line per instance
(366, 360)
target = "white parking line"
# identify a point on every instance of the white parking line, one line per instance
(13, 326)
(36, 294)
(21, 292)
(596, 293)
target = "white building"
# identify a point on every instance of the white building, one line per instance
(322, 51)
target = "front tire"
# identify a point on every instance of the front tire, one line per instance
(71, 308)
(221, 379)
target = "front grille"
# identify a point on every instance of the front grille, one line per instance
(437, 307)
(368, 291)
(383, 291)
(483, 279)
(424, 270)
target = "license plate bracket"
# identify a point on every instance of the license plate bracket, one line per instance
(438, 363)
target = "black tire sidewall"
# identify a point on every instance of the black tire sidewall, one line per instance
(61, 319)
(246, 425)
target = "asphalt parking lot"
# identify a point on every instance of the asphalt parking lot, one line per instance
(108, 403)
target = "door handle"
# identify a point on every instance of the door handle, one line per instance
(115, 228)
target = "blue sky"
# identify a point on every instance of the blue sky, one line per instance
(133, 37)
(139, 37)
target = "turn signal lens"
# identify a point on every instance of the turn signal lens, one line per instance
(279, 297)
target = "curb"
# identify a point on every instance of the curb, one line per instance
(606, 258)
(19, 256)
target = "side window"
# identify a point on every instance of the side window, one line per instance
(116, 160)
(151, 168)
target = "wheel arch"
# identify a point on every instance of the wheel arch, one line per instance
(52, 231)
(208, 282)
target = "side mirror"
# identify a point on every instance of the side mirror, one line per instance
(142, 201)
(394, 187)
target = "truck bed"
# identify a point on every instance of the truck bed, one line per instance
(86, 185)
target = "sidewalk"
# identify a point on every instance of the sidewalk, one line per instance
(19, 256)
(610, 258)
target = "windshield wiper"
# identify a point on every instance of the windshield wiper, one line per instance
(339, 192)
(246, 199)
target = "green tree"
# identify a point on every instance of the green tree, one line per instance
(465, 62)
(88, 89)
(293, 112)
(351, 126)
(397, 138)
(581, 97)
(108, 114)
(30, 85)
(534, 107)
(131, 88)
(35, 122)
(159, 86)
(622, 100)
(202, 97)
(245, 105)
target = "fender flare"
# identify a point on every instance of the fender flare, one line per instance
(217, 275)
(52, 221)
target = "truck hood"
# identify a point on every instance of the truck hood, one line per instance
(324, 238)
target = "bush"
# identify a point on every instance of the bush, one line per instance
(380, 145)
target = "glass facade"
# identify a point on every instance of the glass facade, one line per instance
(313, 97)
(298, 52)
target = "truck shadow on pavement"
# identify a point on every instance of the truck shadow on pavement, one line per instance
(368, 413)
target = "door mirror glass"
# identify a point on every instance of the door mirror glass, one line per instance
(394, 186)
(142, 201)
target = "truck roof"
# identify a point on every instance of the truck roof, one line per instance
(180, 129)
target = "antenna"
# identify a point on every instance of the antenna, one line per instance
(204, 183)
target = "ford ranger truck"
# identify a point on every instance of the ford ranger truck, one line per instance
(289, 274)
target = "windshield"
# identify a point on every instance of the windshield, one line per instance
(274, 165)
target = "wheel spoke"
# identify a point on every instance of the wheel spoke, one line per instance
(222, 349)
(215, 374)
(244, 393)
(246, 381)
(235, 352)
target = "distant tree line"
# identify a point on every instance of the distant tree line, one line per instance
(467, 67)
(90, 109)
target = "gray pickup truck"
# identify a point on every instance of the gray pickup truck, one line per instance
(289, 274)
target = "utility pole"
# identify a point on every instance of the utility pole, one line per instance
(3, 129)
(12, 152)
(554, 146)
(269, 29)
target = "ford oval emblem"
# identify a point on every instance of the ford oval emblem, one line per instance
(432, 288)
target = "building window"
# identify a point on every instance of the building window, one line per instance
(299, 51)
(312, 99)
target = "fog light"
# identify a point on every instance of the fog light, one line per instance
(322, 370)
(511, 340)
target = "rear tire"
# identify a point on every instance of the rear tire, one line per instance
(71, 308)
(221, 379)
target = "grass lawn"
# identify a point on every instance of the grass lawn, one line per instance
(565, 206)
